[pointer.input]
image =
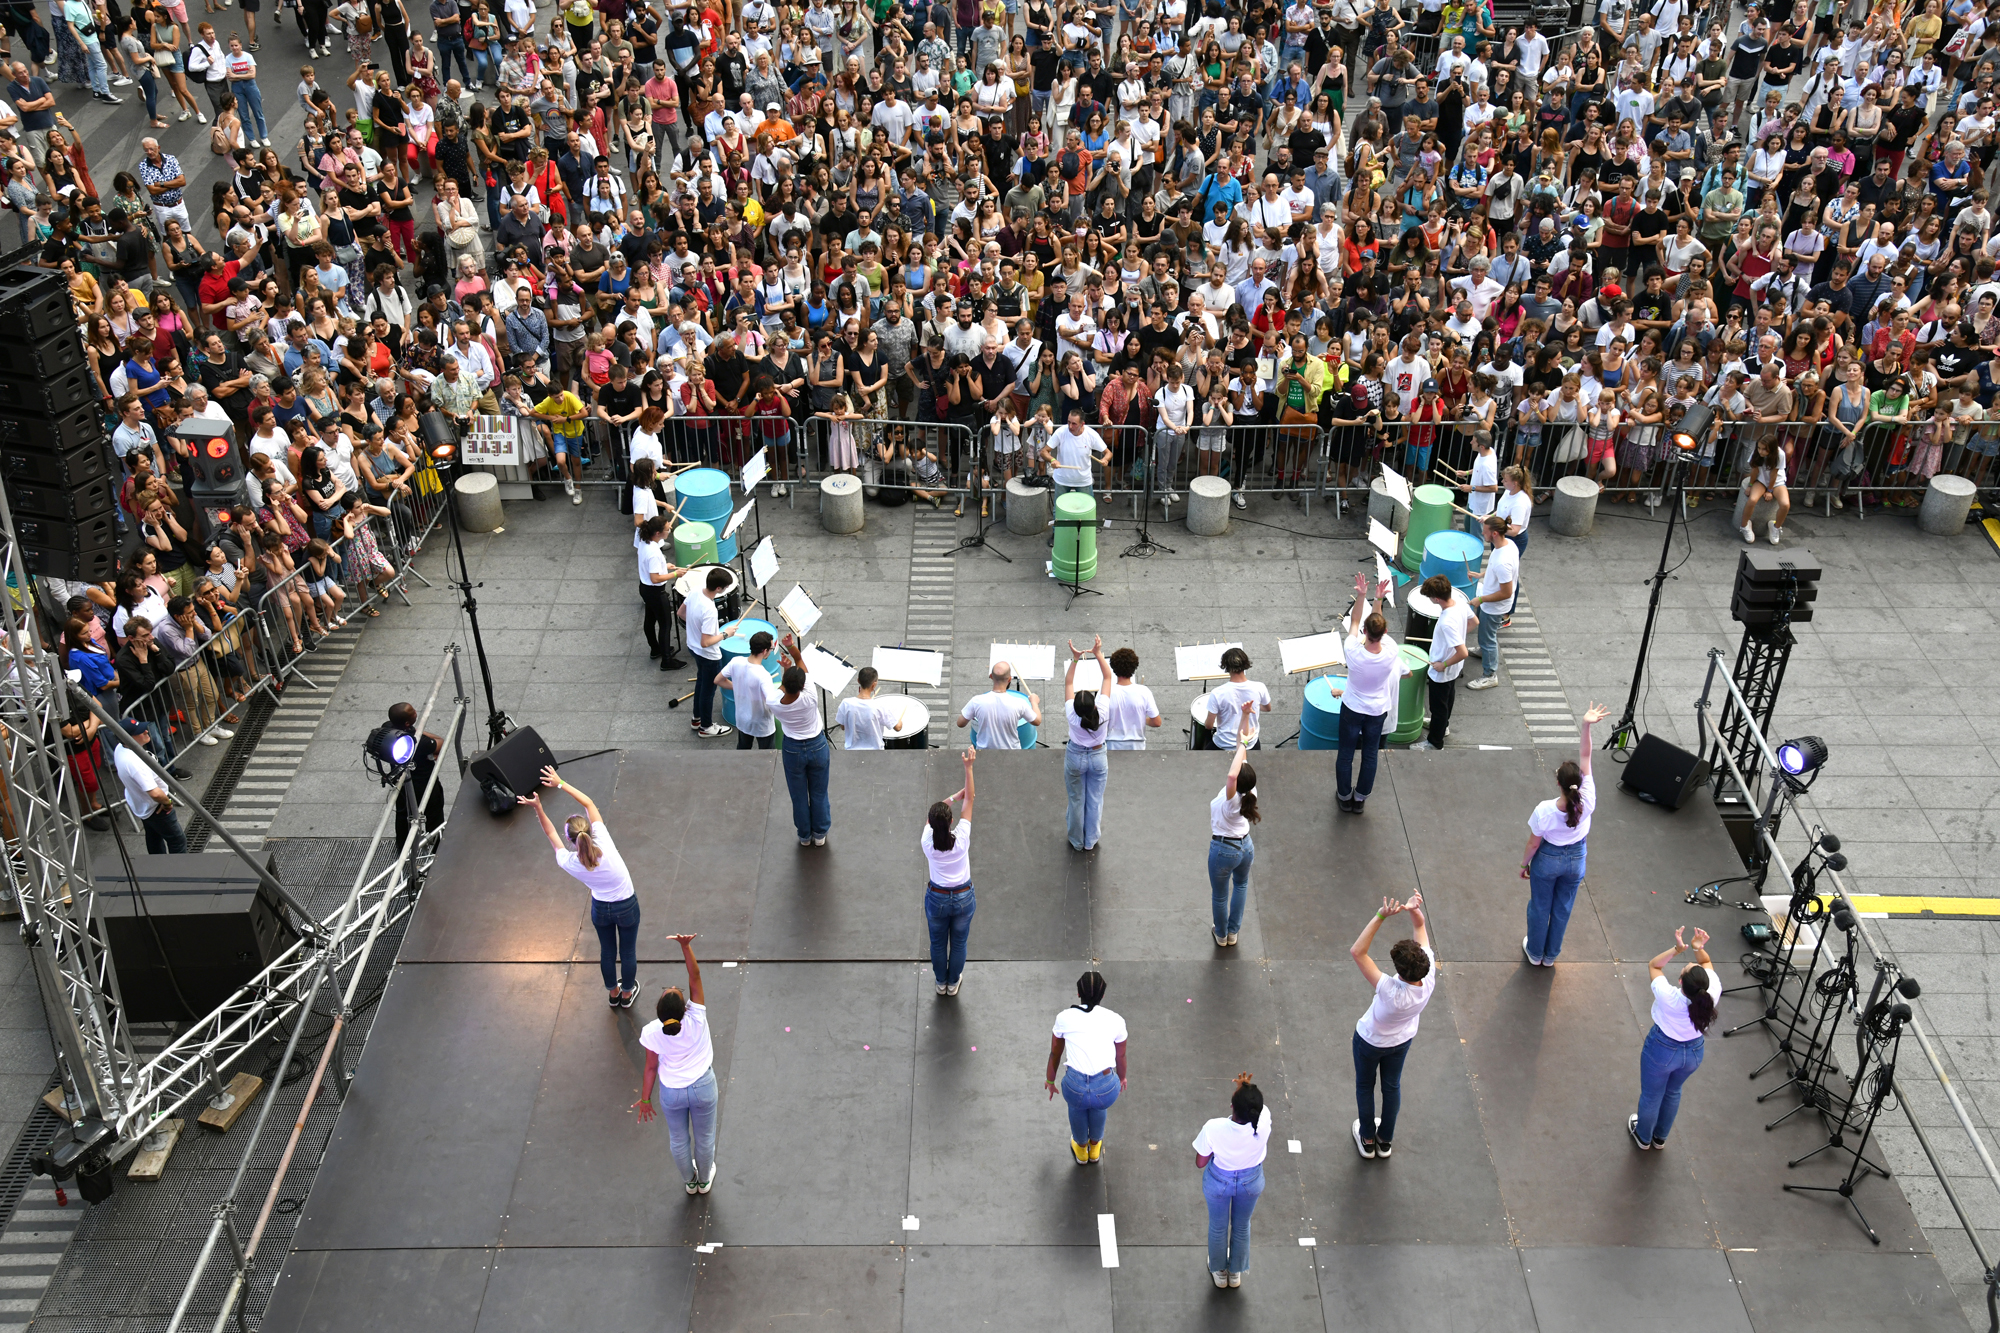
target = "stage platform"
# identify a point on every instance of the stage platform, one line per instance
(486, 1175)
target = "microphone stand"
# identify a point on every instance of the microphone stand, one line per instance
(1145, 546)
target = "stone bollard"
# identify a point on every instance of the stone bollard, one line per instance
(478, 502)
(1028, 508)
(1387, 509)
(1208, 506)
(1575, 506)
(840, 503)
(1947, 501)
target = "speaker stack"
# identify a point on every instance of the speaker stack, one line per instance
(55, 455)
(1774, 588)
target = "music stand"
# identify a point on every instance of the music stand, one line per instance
(977, 541)
(1073, 585)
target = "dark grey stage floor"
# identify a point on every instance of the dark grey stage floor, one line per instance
(486, 1173)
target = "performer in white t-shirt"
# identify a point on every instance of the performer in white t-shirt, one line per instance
(1133, 707)
(1447, 655)
(864, 718)
(1090, 1039)
(1225, 703)
(948, 897)
(1383, 1035)
(1558, 846)
(1495, 598)
(995, 716)
(1368, 700)
(584, 849)
(680, 1058)
(1229, 1153)
(1231, 850)
(1682, 1011)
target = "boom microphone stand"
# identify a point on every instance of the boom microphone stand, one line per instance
(977, 541)
(1884, 1023)
(1834, 993)
(1145, 546)
(1696, 423)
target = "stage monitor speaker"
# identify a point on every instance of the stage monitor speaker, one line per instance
(193, 931)
(34, 304)
(1662, 773)
(219, 465)
(44, 356)
(48, 396)
(77, 431)
(82, 501)
(517, 761)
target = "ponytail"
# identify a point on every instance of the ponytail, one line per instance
(1090, 989)
(1701, 1005)
(1570, 779)
(1086, 710)
(671, 1008)
(942, 838)
(1246, 794)
(1520, 476)
(1246, 1104)
(577, 828)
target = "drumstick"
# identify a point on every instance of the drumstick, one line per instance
(676, 703)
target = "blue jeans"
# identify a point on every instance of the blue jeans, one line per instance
(1089, 1097)
(1489, 641)
(1362, 731)
(1664, 1064)
(449, 46)
(949, 914)
(1369, 1060)
(164, 836)
(100, 71)
(485, 65)
(706, 669)
(250, 100)
(1232, 1197)
(1084, 775)
(1554, 876)
(617, 940)
(690, 1116)
(1229, 881)
(807, 764)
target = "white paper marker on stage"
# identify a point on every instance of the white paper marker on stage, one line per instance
(763, 563)
(799, 612)
(1107, 1239)
(1031, 661)
(1314, 652)
(1202, 661)
(909, 666)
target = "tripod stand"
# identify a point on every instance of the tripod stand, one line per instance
(1883, 1025)
(1835, 992)
(1145, 546)
(978, 539)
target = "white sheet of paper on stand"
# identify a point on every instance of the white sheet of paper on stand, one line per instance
(1089, 676)
(736, 519)
(1396, 485)
(1201, 661)
(755, 470)
(799, 612)
(1311, 653)
(1382, 576)
(763, 563)
(909, 666)
(1031, 661)
(825, 671)
(1382, 537)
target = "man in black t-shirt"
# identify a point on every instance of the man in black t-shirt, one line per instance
(360, 202)
(514, 127)
(1959, 360)
(1840, 301)
(403, 717)
(1746, 60)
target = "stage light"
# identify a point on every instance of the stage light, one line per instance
(388, 751)
(1802, 756)
(1695, 423)
(444, 452)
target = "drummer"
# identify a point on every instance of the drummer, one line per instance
(1132, 707)
(1447, 652)
(1225, 702)
(748, 681)
(656, 576)
(995, 715)
(864, 718)
(1482, 487)
(704, 640)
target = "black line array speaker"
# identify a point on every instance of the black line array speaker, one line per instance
(1661, 773)
(190, 933)
(55, 455)
(517, 761)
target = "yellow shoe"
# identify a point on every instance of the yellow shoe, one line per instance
(1081, 1153)
(1097, 1150)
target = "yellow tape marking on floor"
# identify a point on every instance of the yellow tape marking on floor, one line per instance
(1895, 905)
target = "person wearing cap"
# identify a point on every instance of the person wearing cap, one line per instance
(146, 795)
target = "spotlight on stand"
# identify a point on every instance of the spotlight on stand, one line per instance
(442, 441)
(388, 751)
(1800, 761)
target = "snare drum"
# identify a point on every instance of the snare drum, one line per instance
(728, 602)
(912, 730)
(1202, 737)
(1421, 623)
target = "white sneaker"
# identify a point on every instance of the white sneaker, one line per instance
(1365, 1148)
(1838, 503)
(952, 989)
(820, 841)
(704, 1186)
(569, 486)
(121, 82)
(1235, 1279)
(1239, 501)
(209, 740)
(575, 497)
(1221, 1278)
(201, 116)
(709, 733)
(1230, 939)
(1173, 497)
(222, 733)
(1423, 745)
(942, 990)
(1775, 534)
(1483, 683)
(1749, 534)
(185, 113)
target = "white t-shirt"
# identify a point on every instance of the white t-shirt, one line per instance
(1448, 638)
(153, 607)
(754, 695)
(953, 868)
(1089, 1038)
(1485, 472)
(800, 718)
(1129, 707)
(1407, 379)
(685, 1055)
(139, 782)
(701, 620)
(1225, 815)
(610, 882)
(1670, 1006)
(644, 506)
(864, 721)
(994, 716)
(1226, 702)
(1552, 825)
(1235, 1147)
(1073, 454)
(1503, 566)
(1371, 677)
(1392, 1016)
(652, 560)
(1516, 507)
(1082, 735)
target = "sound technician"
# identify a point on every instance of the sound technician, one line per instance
(403, 718)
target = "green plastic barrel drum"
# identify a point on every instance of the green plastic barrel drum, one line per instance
(1076, 542)
(694, 544)
(1430, 513)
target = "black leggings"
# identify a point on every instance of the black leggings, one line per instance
(659, 629)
